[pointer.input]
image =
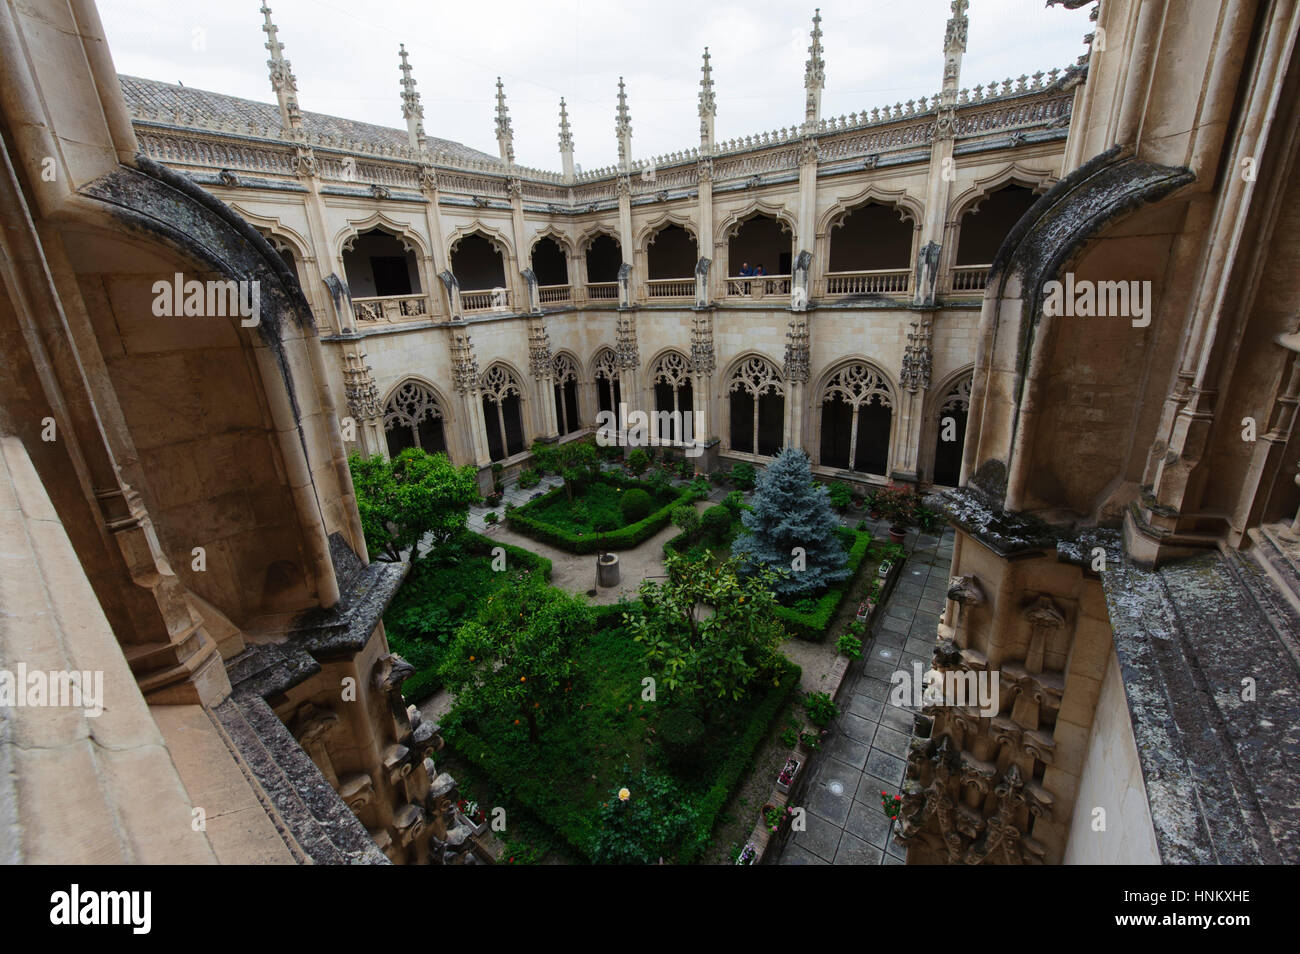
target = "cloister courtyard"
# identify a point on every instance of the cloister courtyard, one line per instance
(847, 756)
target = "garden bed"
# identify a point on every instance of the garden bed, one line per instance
(441, 590)
(572, 525)
(609, 734)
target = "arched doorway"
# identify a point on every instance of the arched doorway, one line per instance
(857, 415)
(413, 418)
(950, 432)
(757, 407)
(502, 412)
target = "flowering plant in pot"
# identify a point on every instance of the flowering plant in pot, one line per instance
(786, 778)
(898, 505)
(774, 817)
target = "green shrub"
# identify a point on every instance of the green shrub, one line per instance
(841, 495)
(636, 505)
(545, 457)
(605, 521)
(528, 477)
(490, 517)
(700, 484)
(735, 502)
(646, 827)
(682, 736)
(743, 475)
(821, 708)
(716, 521)
(849, 645)
(686, 518)
(638, 461)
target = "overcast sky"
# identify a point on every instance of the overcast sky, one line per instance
(344, 55)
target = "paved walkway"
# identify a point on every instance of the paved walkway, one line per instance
(868, 747)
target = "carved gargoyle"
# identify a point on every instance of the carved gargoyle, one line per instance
(965, 590)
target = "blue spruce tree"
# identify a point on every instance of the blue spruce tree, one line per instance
(788, 512)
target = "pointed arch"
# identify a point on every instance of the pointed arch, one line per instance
(755, 407)
(414, 416)
(1037, 181)
(552, 232)
(503, 394)
(404, 232)
(592, 233)
(646, 234)
(943, 432)
(498, 239)
(732, 224)
(908, 207)
(604, 374)
(279, 235)
(855, 405)
(566, 375)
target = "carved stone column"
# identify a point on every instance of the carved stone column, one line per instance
(363, 401)
(915, 379)
(797, 350)
(542, 368)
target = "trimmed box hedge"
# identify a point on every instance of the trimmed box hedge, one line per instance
(624, 538)
(737, 764)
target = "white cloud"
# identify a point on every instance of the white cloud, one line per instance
(345, 58)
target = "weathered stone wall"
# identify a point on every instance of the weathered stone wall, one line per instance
(1112, 782)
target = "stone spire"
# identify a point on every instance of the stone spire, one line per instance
(954, 45)
(708, 105)
(566, 142)
(623, 128)
(282, 78)
(412, 111)
(814, 76)
(505, 135)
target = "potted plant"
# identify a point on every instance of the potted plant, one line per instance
(786, 777)
(898, 506)
(747, 854)
(774, 818)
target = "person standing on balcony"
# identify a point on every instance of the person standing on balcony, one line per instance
(745, 272)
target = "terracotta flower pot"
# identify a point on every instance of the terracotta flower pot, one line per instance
(897, 534)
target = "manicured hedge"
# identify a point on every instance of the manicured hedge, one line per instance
(738, 762)
(812, 626)
(624, 538)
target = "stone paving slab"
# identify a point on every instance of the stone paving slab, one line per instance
(869, 742)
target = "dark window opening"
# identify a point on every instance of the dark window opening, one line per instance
(478, 265)
(759, 241)
(671, 254)
(603, 259)
(984, 229)
(871, 237)
(549, 264)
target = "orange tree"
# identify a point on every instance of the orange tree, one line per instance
(414, 494)
(708, 631)
(514, 660)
